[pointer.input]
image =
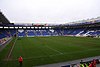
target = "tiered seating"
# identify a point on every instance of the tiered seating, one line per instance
(21, 33)
(57, 32)
(98, 32)
(83, 32)
(38, 33)
(4, 33)
(54, 33)
(45, 32)
(76, 31)
(65, 32)
(94, 33)
(12, 32)
(30, 33)
(68, 31)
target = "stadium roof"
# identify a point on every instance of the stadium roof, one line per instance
(3, 19)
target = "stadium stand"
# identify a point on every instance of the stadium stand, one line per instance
(53, 32)
(84, 28)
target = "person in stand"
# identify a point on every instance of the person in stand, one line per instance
(94, 62)
(91, 64)
(20, 59)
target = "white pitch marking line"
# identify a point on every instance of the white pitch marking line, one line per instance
(11, 49)
(54, 50)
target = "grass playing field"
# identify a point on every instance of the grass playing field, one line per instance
(46, 50)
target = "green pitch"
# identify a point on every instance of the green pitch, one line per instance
(45, 50)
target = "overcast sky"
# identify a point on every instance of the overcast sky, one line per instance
(52, 11)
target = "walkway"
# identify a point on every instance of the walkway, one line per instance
(71, 62)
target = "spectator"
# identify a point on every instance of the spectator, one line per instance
(20, 59)
(94, 62)
(91, 64)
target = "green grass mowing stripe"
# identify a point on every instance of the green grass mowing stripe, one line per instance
(56, 58)
(76, 52)
(61, 46)
(37, 49)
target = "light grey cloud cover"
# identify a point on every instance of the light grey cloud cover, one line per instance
(49, 11)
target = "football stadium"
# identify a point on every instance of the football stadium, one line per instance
(41, 44)
(73, 44)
